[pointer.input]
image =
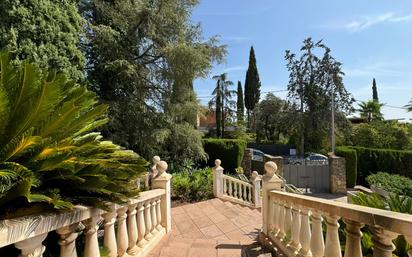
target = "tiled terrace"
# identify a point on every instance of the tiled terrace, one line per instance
(210, 228)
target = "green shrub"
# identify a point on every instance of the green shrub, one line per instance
(193, 186)
(371, 160)
(391, 182)
(229, 151)
(351, 164)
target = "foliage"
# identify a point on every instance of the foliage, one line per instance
(240, 104)
(45, 32)
(351, 164)
(222, 102)
(274, 118)
(391, 135)
(49, 152)
(143, 58)
(192, 185)
(371, 110)
(391, 182)
(252, 85)
(313, 81)
(229, 151)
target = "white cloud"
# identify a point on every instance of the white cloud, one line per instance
(366, 22)
(235, 69)
(235, 39)
(382, 69)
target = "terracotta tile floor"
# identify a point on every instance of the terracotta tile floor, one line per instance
(210, 229)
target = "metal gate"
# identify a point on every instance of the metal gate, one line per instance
(314, 177)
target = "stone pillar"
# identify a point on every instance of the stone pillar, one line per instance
(32, 247)
(247, 162)
(162, 181)
(255, 180)
(278, 160)
(217, 178)
(269, 182)
(337, 173)
(67, 240)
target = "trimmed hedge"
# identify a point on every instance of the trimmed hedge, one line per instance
(230, 151)
(372, 160)
(351, 164)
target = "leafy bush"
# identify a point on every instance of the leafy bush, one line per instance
(230, 151)
(351, 164)
(192, 186)
(391, 182)
(48, 152)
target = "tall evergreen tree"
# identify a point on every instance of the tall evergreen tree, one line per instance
(46, 32)
(374, 91)
(240, 104)
(252, 85)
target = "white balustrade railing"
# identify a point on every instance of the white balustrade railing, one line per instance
(236, 190)
(294, 223)
(132, 229)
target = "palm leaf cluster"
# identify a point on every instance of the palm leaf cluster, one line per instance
(49, 152)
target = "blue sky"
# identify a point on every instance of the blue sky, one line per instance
(372, 38)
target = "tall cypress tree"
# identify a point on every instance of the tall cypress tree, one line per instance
(240, 111)
(374, 91)
(252, 85)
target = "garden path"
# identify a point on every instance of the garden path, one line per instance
(211, 228)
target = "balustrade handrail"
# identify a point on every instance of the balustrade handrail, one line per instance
(393, 221)
(237, 180)
(22, 228)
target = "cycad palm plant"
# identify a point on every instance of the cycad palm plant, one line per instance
(48, 150)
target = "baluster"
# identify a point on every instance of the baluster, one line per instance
(276, 209)
(67, 240)
(249, 196)
(141, 226)
(270, 212)
(132, 229)
(353, 238)
(332, 244)
(234, 189)
(282, 210)
(224, 186)
(153, 214)
(304, 233)
(158, 214)
(91, 247)
(241, 191)
(295, 245)
(382, 242)
(148, 220)
(317, 245)
(244, 193)
(288, 219)
(109, 240)
(122, 237)
(230, 187)
(32, 247)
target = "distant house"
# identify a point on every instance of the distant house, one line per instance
(206, 122)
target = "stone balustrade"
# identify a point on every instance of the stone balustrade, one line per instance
(236, 190)
(132, 229)
(294, 223)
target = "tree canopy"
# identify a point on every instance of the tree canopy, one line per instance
(240, 104)
(315, 77)
(143, 58)
(252, 84)
(46, 32)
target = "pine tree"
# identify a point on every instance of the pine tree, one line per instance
(374, 91)
(240, 103)
(252, 85)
